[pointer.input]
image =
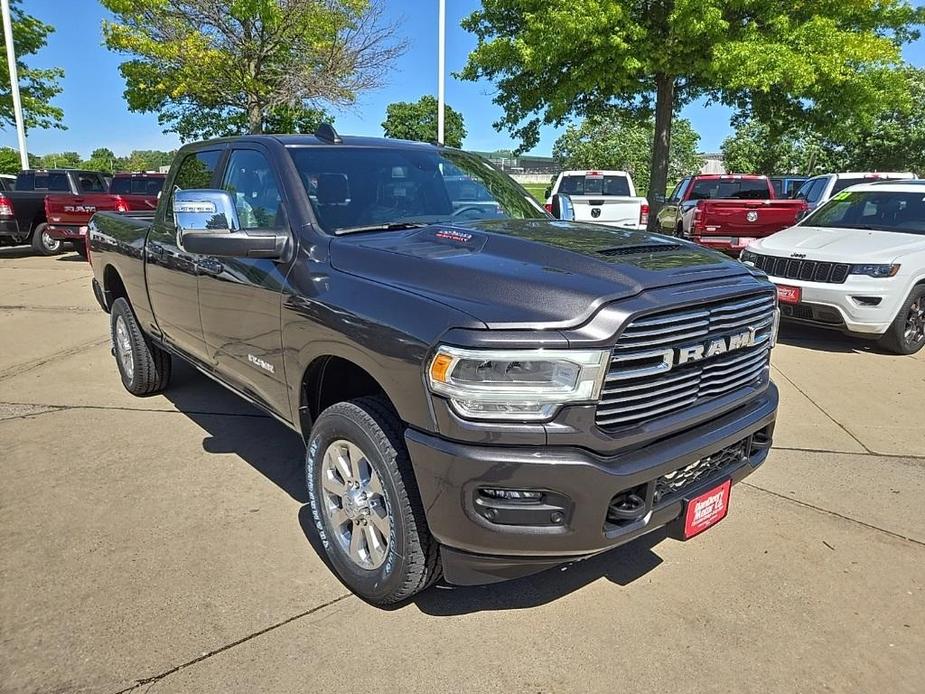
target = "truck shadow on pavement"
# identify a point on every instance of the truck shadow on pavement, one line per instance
(277, 453)
(823, 340)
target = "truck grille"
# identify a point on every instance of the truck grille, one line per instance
(648, 377)
(797, 269)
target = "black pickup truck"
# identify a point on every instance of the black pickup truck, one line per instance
(22, 210)
(484, 391)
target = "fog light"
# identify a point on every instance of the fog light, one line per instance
(512, 494)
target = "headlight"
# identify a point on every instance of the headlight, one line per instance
(748, 257)
(516, 384)
(875, 270)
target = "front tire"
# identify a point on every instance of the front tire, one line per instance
(906, 335)
(144, 368)
(365, 504)
(43, 244)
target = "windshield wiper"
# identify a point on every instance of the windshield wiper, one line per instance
(392, 226)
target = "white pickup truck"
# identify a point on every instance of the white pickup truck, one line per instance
(856, 264)
(602, 197)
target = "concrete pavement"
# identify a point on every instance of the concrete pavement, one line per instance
(162, 544)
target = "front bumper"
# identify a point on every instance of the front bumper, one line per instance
(842, 306)
(581, 484)
(67, 232)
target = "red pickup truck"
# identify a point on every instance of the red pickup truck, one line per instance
(68, 215)
(726, 212)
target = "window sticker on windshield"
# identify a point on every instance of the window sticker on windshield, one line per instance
(841, 196)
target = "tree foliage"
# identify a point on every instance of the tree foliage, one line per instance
(221, 67)
(893, 141)
(624, 144)
(781, 62)
(418, 121)
(37, 87)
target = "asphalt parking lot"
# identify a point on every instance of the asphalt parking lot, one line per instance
(163, 545)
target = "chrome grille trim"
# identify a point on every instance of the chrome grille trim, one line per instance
(645, 382)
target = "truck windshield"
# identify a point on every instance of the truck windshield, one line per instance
(873, 210)
(720, 189)
(351, 187)
(595, 185)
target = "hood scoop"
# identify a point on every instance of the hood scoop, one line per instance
(638, 250)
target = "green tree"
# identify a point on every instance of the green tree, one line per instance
(896, 140)
(218, 67)
(61, 160)
(103, 159)
(782, 62)
(9, 160)
(417, 120)
(602, 142)
(147, 160)
(37, 87)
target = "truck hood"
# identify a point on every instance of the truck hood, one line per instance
(841, 244)
(527, 273)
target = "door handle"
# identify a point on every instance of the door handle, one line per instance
(156, 249)
(209, 266)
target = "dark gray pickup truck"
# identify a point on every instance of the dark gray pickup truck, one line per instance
(484, 391)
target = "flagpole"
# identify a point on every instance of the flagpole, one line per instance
(441, 59)
(14, 82)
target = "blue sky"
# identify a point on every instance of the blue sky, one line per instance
(96, 114)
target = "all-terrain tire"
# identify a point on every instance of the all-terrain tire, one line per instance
(144, 367)
(412, 561)
(905, 335)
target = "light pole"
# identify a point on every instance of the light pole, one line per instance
(441, 59)
(14, 82)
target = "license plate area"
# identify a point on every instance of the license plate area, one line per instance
(705, 510)
(789, 295)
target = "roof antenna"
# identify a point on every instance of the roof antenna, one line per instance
(326, 132)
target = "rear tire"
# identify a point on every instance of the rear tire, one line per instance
(376, 492)
(906, 335)
(144, 367)
(43, 244)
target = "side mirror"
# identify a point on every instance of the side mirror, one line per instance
(562, 207)
(207, 224)
(547, 192)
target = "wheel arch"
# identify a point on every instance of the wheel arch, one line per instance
(331, 378)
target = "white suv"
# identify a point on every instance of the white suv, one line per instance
(856, 264)
(817, 190)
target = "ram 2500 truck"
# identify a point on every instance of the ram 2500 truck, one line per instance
(726, 212)
(68, 215)
(484, 391)
(22, 211)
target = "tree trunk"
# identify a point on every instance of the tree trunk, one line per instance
(254, 118)
(658, 171)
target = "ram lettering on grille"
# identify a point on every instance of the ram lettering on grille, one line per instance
(667, 361)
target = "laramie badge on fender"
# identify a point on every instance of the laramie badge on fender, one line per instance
(265, 365)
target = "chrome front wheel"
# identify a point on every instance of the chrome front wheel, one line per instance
(355, 505)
